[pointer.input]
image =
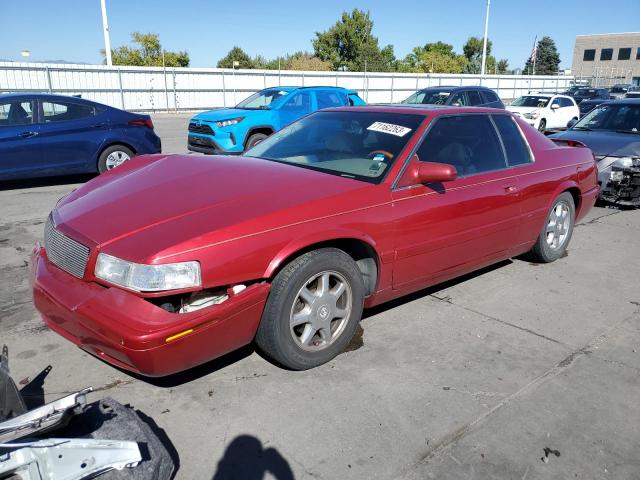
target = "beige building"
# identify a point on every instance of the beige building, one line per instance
(607, 58)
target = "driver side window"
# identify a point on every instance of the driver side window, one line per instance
(299, 103)
(459, 98)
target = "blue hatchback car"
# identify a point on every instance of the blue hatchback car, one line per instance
(234, 130)
(45, 135)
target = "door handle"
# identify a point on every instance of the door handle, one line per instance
(98, 125)
(510, 189)
(27, 134)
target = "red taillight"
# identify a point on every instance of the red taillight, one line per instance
(142, 122)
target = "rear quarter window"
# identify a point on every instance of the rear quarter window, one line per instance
(515, 147)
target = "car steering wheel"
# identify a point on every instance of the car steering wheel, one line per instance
(386, 153)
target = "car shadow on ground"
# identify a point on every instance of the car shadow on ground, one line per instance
(246, 458)
(45, 181)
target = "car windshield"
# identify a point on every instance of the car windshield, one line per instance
(263, 99)
(531, 101)
(586, 92)
(358, 145)
(619, 118)
(429, 97)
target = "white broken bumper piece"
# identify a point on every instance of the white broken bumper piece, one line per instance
(44, 418)
(66, 459)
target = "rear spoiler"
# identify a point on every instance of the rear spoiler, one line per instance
(563, 142)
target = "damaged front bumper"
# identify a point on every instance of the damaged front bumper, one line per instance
(623, 186)
(132, 333)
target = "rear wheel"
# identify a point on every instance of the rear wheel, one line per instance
(313, 309)
(542, 127)
(556, 233)
(113, 156)
(255, 139)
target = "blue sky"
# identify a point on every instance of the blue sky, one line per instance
(71, 29)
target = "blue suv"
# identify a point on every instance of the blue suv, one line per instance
(234, 130)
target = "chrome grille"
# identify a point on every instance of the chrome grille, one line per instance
(65, 252)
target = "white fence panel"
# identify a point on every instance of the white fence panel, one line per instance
(174, 89)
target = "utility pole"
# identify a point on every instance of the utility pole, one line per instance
(486, 32)
(105, 30)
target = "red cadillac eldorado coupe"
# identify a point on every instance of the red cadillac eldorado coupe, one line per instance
(167, 262)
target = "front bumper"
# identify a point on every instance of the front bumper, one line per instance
(134, 334)
(221, 143)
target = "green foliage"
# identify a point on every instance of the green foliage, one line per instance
(148, 53)
(473, 48)
(349, 45)
(236, 54)
(435, 57)
(473, 53)
(547, 59)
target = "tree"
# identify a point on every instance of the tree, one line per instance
(149, 53)
(473, 48)
(547, 59)
(236, 54)
(350, 45)
(503, 66)
(435, 57)
(306, 61)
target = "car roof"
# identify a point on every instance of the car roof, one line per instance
(50, 96)
(453, 88)
(417, 109)
(623, 101)
(290, 88)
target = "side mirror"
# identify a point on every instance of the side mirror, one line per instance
(555, 106)
(432, 172)
(572, 122)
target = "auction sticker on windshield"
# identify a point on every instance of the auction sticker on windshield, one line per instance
(397, 130)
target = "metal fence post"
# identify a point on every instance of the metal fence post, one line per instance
(120, 86)
(303, 79)
(224, 92)
(392, 77)
(336, 78)
(498, 87)
(49, 79)
(175, 93)
(166, 89)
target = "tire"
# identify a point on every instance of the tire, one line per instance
(542, 126)
(546, 250)
(304, 333)
(113, 156)
(255, 139)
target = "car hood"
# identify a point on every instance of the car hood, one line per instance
(157, 206)
(226, 114)
(522, 109)
(604, 143)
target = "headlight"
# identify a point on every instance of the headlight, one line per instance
(231, 121)
(147, 278)
(617, 176)
(532, 115)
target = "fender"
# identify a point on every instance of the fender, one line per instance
(565, 185)
(301, 243)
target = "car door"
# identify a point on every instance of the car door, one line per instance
(71, 134)
(298, 105)
(443, 230)
(19, 149)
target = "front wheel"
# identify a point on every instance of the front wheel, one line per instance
(255, 139)
(313, 309)
(542, 126)
(556, 233)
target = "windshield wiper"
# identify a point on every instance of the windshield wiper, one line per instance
(628, 131)
(582, 128)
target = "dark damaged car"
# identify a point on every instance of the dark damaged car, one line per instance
(612, 132)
